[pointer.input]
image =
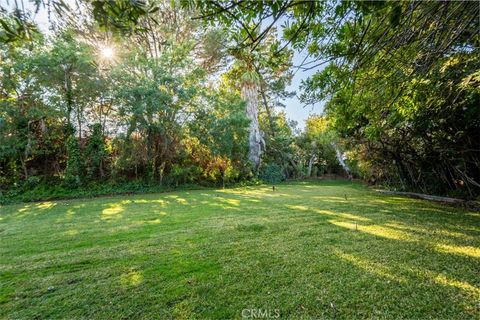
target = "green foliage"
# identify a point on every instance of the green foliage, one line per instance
(279, 140)
(399, 81)
(315, 149)
(122, 15)
(16, 28)
(95, 154)
(67, 68)
(272, 173)
(139, 109)
(37, 190)
(149, 114)
(73, 170)
(400, 106)
(421, 141)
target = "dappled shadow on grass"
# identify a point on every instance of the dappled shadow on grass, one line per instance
(302, 249)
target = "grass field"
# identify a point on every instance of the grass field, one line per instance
(302, 251)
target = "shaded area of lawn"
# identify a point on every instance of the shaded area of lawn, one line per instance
(302, 249)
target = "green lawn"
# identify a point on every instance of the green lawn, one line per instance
(302, 250)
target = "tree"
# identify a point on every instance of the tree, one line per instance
(71, 80)
(73, 170)
(374, 61)
(316, 147)
(31, 134)
(96, 153)
(261, 74)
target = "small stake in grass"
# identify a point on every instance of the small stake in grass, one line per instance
(334, 310)
(273, 188)
(345, 196)
(356, 226)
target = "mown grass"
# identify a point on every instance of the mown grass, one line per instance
(303, 250)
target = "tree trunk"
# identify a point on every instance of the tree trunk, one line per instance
(25, 170)
(102, 174)
(79, 123)
(267, 108)
(339, 155)
(255, 139)
(160, 172)
(68, 92)
(310, 165)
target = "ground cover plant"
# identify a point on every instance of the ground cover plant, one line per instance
(327, 249)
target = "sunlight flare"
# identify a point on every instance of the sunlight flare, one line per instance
(107, 53)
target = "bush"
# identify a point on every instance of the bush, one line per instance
(272, 173)
(73, 170)
(44, 191)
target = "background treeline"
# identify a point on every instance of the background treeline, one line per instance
(85, 110)
(400, 79)
(138, 95)
(404, 92)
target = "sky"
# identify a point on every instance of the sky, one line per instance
(294, 109)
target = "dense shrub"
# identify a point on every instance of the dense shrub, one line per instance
(272, 173)
(73, 170)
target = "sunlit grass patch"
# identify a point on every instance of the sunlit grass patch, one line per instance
(132, 278)
(112, 211)
(463, 250)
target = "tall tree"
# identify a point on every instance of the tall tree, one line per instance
(262, 75)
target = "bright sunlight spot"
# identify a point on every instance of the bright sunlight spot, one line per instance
(107, 53)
